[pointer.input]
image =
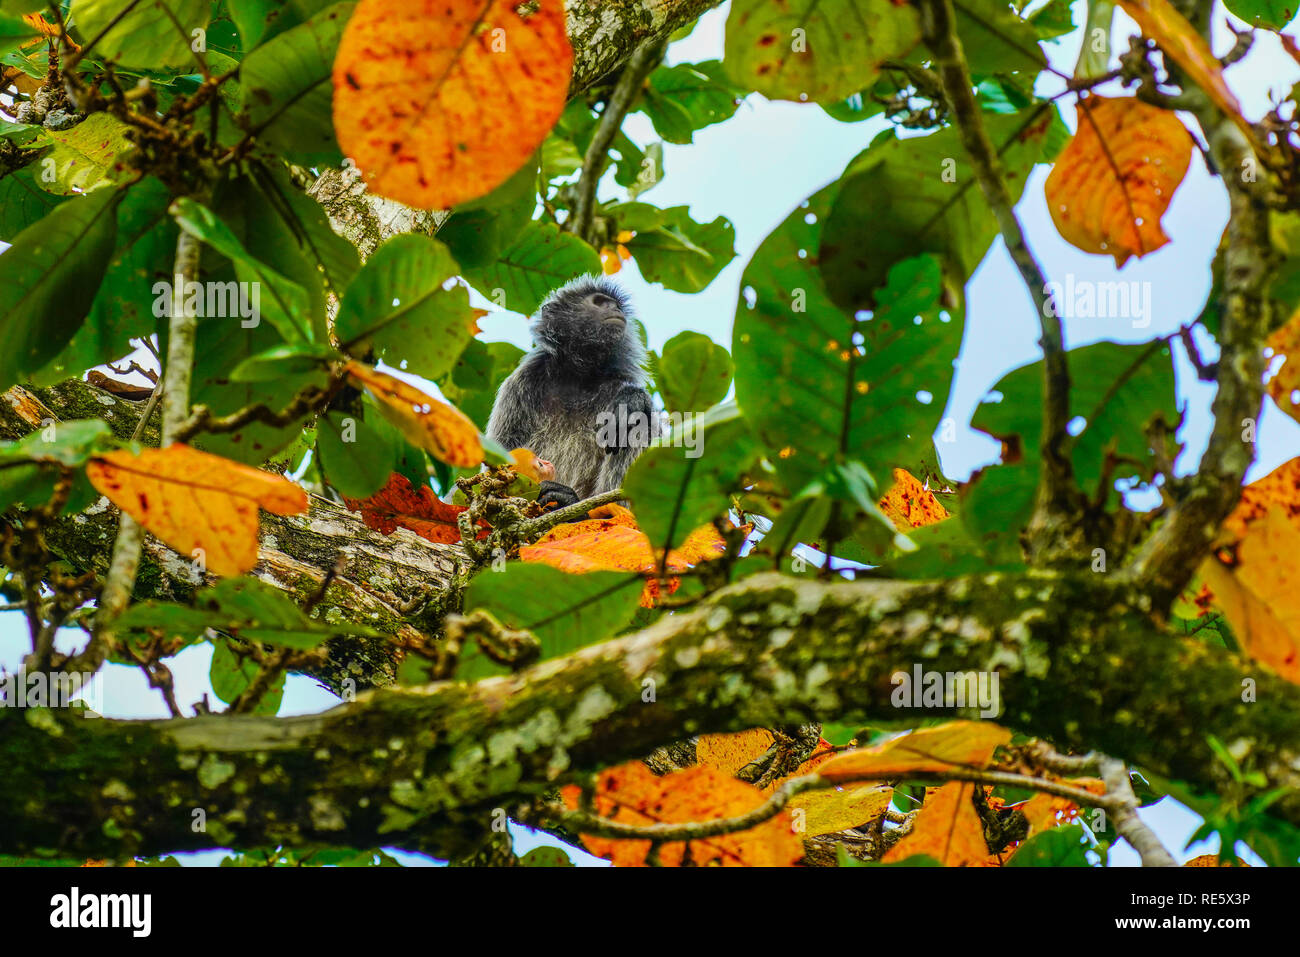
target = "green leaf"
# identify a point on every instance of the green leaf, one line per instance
(50, 276)
(400, 305)
(285, 359)
(1063, 846)
(479, 372)
(22, 201)
(222, 346)
(818, 385)
(541, 259)
(996, 39)
(68, 443)
(566, 612)
(694, 373)
(259, 20)
(306, 222)
(127, 305)
(545, 857)
(150, 34)
(287, 89)
(87, 155)
(681, 254)
(230, 675)
(1270, 14)
(286, 307)
(676, 489)
(924, 188)
(687, 97)
(815, 49)
(1115, 389)
(357, 455)
(14, 32)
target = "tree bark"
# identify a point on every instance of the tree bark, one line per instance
(380, 573)
(424, 768)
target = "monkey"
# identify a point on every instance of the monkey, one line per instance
(579, 399)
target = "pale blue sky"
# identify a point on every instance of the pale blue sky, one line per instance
(758, 166)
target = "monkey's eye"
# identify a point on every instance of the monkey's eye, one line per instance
(600, 301)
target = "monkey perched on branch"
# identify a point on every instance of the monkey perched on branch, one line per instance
(579, 398)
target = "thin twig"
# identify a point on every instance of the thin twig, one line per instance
(1056, 483)
(119, 583)
(626, 91)
(576, 511)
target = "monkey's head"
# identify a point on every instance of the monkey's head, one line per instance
(587, 324)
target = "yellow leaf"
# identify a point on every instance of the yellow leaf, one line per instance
(909, 504)
(196, 501)
(826, 812)
(1259, 594)
(965, 744)
(441, 429)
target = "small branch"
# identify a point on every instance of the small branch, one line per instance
(1123, 812)
(626, 92)
(576, 511)
(1056, 486)
(119, 583)
(1168, 559)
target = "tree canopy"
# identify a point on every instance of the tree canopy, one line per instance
(789, 638)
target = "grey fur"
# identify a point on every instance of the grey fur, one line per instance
(584, 368)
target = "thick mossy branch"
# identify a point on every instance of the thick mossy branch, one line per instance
(1078, 660)
(381, 575)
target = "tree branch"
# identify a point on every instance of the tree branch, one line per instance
(1056, 492)
(624, 96)
(424, 768)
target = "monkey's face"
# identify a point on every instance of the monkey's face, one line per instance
(585, 321)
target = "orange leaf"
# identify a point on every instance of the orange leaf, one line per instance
(1116, 176)
(632, 794)
(528, 464)
(617, 544)
(398, 505)
(947, 828)
(1159, 20)
(609, 547)
(966, 744)
(1212, 860)
(731, 752)
(1280, 488)
(610, 262)
(441, 429)
(1284, 387)
(909, 504)
(192, 500)
(440, 101)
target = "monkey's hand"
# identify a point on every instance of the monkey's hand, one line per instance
(628, 423)
(557, 494)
